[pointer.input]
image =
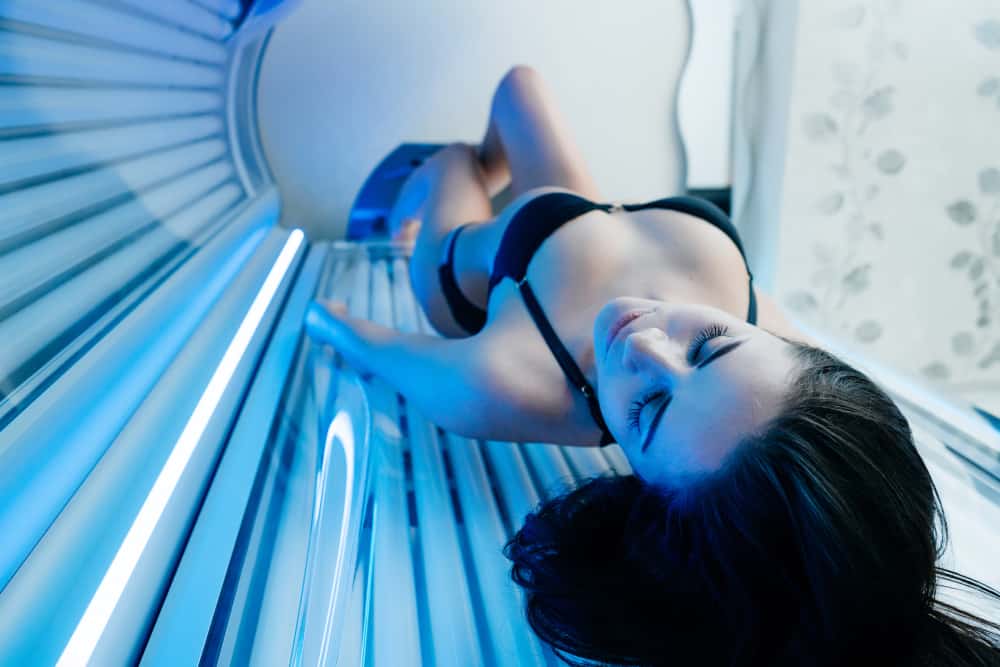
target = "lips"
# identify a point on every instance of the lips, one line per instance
(620, 324)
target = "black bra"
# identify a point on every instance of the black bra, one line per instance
(530, 226)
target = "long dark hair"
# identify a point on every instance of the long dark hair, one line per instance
(817, 542)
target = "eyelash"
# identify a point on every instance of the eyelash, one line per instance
(636, 409)
(702, 337)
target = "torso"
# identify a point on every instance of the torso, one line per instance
(652, 253)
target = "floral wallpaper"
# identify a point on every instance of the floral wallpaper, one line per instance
(890, 204)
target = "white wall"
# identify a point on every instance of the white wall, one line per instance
(343, 82)
(880, 215)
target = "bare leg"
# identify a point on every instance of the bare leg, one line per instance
(408, 210)
(496, 169)
(452, 192)
(528, 142)
(527, 145)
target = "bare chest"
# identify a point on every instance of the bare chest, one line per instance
(654, 254)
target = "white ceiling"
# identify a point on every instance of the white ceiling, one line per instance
(344, 82)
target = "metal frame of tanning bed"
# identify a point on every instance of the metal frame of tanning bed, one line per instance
(967, 432)
(87, 633)
(198, 584)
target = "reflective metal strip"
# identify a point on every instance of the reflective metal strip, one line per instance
(160, 522)
(40, 109)
(268, 542)
(453, 635)
(56, 258)
(182, 623)
(254, 620)
(971, 502)
(549, 466)
(114, 27)
(49, 448)
(156, 445)
(517, 492)
(24, 55)
(105, 213)
(510, 639)
(28, 214)
(395, 629)
(186, 15)
(38, 158)
(586, 462)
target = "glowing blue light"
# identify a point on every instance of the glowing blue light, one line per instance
(88, 631)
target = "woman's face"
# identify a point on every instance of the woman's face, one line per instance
(681, 384)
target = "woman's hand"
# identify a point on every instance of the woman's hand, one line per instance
(356, 339)
(451, 381)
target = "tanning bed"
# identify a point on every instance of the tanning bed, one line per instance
(184, 477)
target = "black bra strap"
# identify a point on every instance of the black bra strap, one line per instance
(565, 360)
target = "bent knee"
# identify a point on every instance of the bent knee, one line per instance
(519, 82)
(520, 75)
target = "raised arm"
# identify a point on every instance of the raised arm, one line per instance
(454, 382)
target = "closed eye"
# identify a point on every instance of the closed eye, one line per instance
(694, 349)
(635, 410)
(652, 427)
(719, 352)
(702, 337)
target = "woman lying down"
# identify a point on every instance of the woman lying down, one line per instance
(778, 513)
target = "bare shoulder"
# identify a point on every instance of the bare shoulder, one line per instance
(529, 399)
(771, 317)
(514, 374)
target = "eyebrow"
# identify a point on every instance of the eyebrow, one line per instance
(722, 350)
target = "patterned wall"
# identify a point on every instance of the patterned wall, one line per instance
(890, 203)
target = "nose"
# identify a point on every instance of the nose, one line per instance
(652, 351)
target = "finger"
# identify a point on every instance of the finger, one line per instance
(359, 341)
(334, 306)
(325, 324)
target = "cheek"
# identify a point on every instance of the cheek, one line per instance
(614, 397)
(607, 396)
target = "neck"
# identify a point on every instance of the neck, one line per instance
(581, 344)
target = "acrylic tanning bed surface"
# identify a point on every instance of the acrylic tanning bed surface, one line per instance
(383, 532)
(186, 479)
(380, 534)
(334, 524)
